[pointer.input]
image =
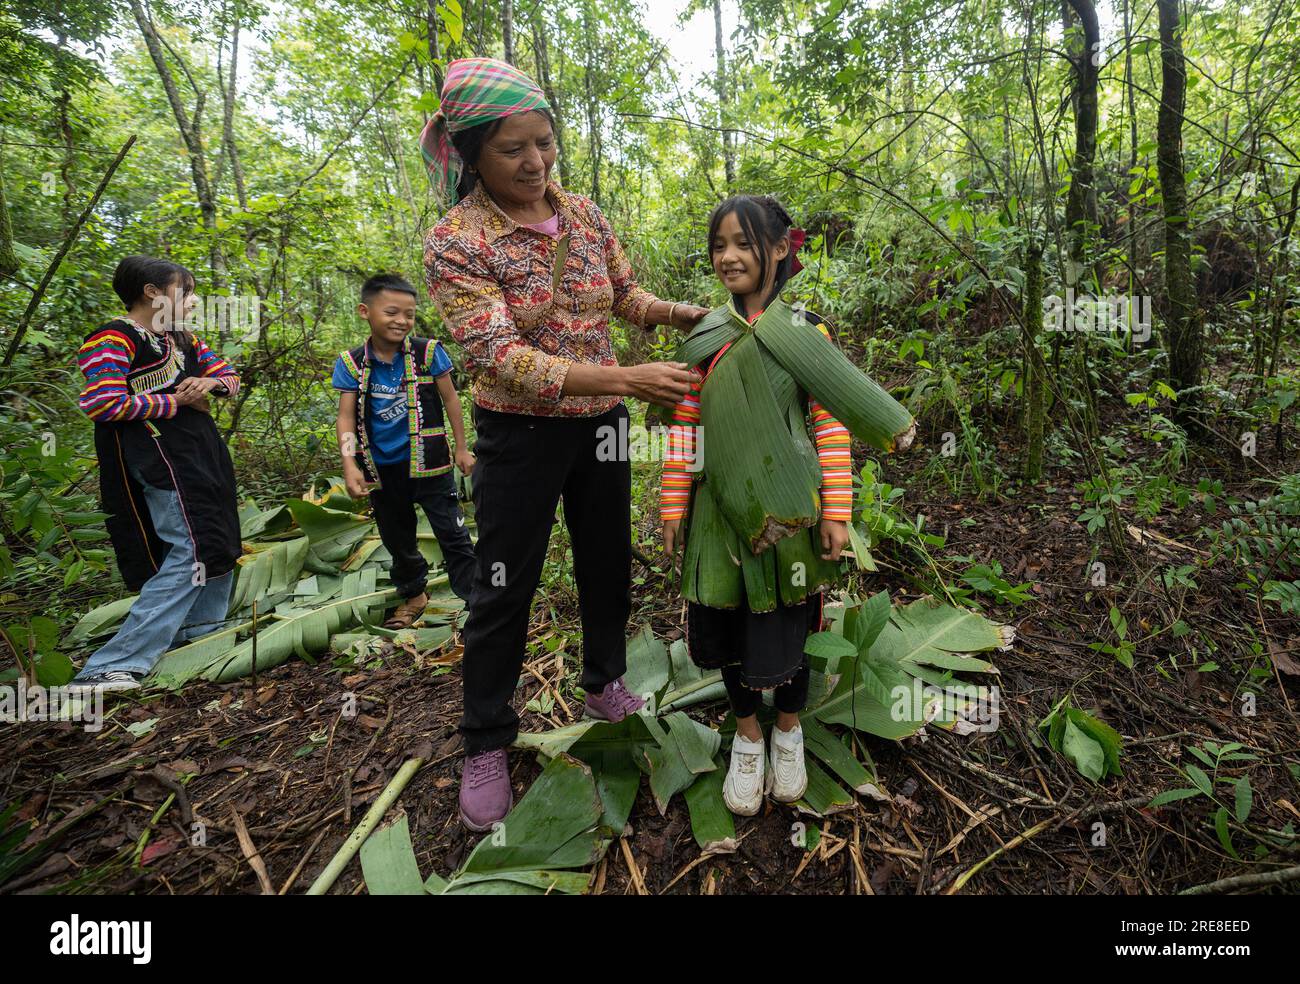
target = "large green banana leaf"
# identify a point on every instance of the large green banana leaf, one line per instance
(764, 484)
(554, 827)
(826, 374)
(282, 634)
(388, 861)
(714, 331)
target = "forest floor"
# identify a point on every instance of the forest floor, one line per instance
(276, 755)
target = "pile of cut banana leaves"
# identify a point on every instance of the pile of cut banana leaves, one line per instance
(313, 579)
(879, 671)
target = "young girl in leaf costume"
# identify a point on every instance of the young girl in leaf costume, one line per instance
(757, 488)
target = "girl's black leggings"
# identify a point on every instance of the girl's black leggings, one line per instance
(756, 651)
(789, 697)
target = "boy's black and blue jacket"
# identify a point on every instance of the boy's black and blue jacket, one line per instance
(421, 357)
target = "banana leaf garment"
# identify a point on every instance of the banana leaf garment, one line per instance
(750, 536)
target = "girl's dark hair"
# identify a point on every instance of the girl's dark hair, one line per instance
(135, 273)
(469, 144)
(765, 222)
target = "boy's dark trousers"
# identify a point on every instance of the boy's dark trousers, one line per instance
(525, 465)
(394, 504)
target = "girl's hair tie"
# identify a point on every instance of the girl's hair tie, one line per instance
(797, 238)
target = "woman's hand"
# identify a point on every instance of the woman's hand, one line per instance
(464, 460)
(665, 383)
(672, 537)
(687, 316)
(195, 388)
(835, 537)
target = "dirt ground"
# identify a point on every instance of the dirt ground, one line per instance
(987, 813)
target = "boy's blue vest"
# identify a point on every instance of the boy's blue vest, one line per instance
(424, 412)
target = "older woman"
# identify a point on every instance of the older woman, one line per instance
(527, 277)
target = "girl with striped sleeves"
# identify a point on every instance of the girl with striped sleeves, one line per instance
(166, 478)
(752, 247)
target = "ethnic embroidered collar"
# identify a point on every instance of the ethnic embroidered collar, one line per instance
(497, 224)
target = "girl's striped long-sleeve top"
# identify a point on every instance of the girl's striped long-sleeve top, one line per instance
(105, 359)
(830, 437)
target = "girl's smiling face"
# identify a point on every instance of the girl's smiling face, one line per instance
(736, 259)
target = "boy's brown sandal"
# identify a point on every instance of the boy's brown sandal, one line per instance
(407, 612)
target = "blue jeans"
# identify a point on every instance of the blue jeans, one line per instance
(172, 608)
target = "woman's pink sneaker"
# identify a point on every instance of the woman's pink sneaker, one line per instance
(485, 793)
(614, 703)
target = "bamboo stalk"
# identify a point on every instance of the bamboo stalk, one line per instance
(251, 854)
(366, 827)
(1016, 841)
(1260, 879)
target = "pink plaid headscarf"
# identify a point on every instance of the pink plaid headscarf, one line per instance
(476, 90)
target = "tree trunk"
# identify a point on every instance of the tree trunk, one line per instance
(593, 107)
(1081, 204)
(8, 260)
(1183, 331)
(191, 134)
(542, 58)
(1280, 279)
(228, 120)
(909, 95)
(1035, 367)
(434, 55)
(722, 89)
(1133, 155)
(393, 148)
(64, 102)
(508, 29)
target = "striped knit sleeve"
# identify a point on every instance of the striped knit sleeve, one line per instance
(211, 364)
(675, 485)
(104, 359)
(832, 440)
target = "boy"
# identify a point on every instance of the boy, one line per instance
(399, 383)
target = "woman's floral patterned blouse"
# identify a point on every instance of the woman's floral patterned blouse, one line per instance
(525, 305)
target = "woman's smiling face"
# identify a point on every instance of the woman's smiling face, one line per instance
(516, 161)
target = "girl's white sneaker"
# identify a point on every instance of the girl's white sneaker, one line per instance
(742, 790)
(788, 778)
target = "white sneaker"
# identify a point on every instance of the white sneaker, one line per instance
(742, 790)
(113, 681)
(788, 779)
